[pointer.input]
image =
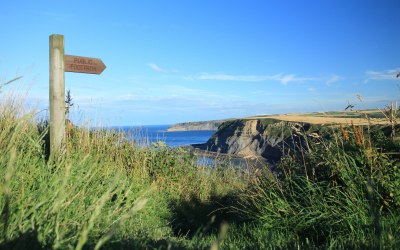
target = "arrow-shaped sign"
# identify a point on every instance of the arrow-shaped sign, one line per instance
(80, 64)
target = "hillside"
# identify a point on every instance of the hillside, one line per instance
(359, 117)
(192, 126)
(254, 138)
(270, 137)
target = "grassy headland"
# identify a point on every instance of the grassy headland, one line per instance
(339, 190)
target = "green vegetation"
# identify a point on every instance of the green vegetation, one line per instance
(268, 121)
(340, 189)
(338, 193)
(103, 191)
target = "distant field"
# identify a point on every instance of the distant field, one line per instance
(362, 117)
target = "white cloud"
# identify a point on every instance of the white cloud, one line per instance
(156, 68)
(262, 93)
(311, 89)
(226, 77)
(332, 79)
(282, 78)
(389, 74)
(285, 79)
(169, 92)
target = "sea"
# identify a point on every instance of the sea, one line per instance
(150, 134)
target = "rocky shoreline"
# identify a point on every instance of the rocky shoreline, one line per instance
(235, 160)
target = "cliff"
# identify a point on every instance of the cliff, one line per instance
(271, 137)
(267, 138)
(191, 126)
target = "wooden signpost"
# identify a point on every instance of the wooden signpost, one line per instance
(60, 63)
(80, 64)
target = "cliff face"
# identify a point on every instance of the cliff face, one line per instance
(191, 126)
(271, 138)
(267, 138)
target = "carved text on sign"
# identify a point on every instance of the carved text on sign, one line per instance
(82, 64)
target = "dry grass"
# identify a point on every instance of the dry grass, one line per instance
(324, 120)
(329, 118)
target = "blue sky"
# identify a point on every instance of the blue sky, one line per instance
(185, 60)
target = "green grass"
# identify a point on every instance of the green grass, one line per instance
(103, 189)
(340, 192)
(106, 192)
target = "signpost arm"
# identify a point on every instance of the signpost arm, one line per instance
(57, 94)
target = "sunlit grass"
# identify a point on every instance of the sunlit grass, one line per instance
(338, 190)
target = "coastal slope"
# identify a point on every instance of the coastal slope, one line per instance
(266, 138)
(270, 137)
(193, 126)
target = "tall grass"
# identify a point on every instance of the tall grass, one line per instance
(104, 191)
(340, 190)
(336, 189)
(64, 201)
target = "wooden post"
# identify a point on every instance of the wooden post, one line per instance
(57, 94)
